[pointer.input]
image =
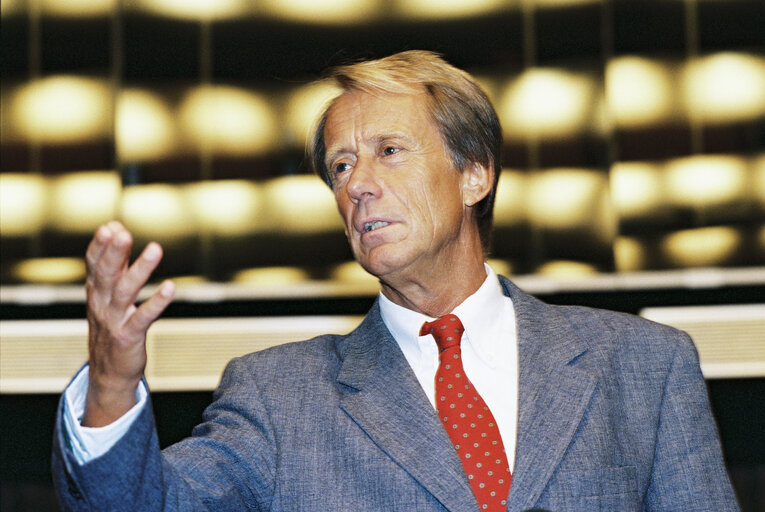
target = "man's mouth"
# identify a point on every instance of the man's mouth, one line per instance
(371, 226)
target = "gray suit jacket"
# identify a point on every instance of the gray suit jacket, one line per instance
(613, 416)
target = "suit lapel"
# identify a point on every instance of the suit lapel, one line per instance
(553, 394)
(383, 397)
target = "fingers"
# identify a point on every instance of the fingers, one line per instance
(151, 308)
(130, 283)
(107, 257)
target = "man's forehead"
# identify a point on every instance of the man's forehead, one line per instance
(380, 105)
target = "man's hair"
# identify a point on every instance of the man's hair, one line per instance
(461, 110)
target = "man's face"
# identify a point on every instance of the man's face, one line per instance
(399, 195)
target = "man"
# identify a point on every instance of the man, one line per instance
(457, 392)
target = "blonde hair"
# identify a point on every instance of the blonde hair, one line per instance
(463, 113)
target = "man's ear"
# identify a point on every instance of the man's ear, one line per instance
(476, 181)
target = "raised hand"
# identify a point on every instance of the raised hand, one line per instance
(116, 326)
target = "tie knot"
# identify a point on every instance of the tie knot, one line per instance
(446, 330)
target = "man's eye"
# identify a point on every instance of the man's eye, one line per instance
(338, 168)
(390, 150)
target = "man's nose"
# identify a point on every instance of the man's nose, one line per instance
(363, 184)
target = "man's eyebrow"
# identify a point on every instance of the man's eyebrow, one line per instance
(335, 152)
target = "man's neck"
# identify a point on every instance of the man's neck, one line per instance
(436, 296)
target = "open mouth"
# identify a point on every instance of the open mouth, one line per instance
(371, 226)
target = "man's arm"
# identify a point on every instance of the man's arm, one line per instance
(688, 470)
(116, 326)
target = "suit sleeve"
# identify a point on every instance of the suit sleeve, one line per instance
(688, 468)
(227, 464)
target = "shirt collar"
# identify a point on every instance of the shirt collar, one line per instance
(483, 314)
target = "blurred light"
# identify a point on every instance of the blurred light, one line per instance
(321, 11)
(302, 204)
(78, 8)
(701, 247)
(638, 91)
(226, 207)
(268, 276)
(565, 198)
(725, 87)
(228, 120)
(62, 109)
(502, 267)
(80, 202)
(353, 273)
(510, 199)
(565, 269)
(636, 188)
(50, 270)
(706, 180)
(195, 9)
(446, 8)
(144, 126)
(560, 3)
(629, 254)
(758, 168)
(11, 7)
(189, 280)
(547, 103)
(23, 204)
(156, 212)
(304, 107)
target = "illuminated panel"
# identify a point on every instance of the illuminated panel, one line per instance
(546, 103)
(194, 9)
(304, 107)
(629, 254)
(566, 269)
(725, 87)
(636, 188)
(706, 180)
(639, 91)
(268, 276)
(510, 200)
(228, 120)
(321, 11)
(144, 126)
(11, 7)
(566, 198)
(156, 212)
(352, 272)
(80, 202)
(446, 8)
(758, 168)
(701, 247)
(62, 109)
(78, 8)
(227, 207)
(560, 3)
(50, 270)
(23, 204)
(301, 205)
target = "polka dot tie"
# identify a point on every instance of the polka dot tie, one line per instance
(467, 419)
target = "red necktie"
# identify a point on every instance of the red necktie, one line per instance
(468, 420)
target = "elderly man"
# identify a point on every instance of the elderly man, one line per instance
(457, 392)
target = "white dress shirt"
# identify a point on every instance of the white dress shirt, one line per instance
(489, 351)
(489, 354)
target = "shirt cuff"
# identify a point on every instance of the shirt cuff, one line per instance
(89, 443)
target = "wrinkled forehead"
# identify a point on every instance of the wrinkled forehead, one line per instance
(363, 113)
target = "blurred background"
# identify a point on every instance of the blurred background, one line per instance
(634, 179)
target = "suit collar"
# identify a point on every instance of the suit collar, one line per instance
(382, 395)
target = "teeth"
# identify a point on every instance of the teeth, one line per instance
(369, 226)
